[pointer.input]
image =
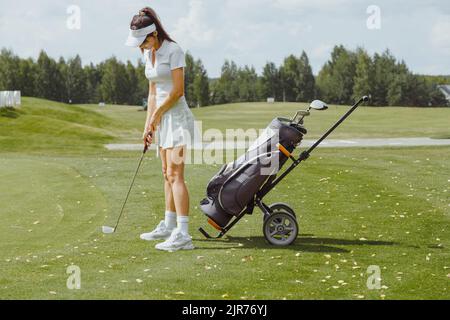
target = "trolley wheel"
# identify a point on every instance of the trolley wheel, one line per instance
(281, 228)
(281, 206)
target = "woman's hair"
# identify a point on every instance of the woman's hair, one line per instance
(147, 16)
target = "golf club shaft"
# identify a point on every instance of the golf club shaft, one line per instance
(131, 186)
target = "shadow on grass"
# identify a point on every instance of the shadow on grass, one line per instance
(304, 243)
(345, 242)
(9, 112)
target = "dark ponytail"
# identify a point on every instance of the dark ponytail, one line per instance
(146, 17)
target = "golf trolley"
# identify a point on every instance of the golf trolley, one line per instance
(240, 186)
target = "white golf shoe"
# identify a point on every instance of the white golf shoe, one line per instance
(161, 232)
(176, 241)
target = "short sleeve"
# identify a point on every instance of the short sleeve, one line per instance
(177, 58)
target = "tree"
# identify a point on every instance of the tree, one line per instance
(201, 85)
(363, 81)
(9, 67)
(289, 76)
(336, 79)
(247, 84)
(226, 90)
(93, 80)
(27, 77)
(305, 84)
(49, 80)
(76, 81)
(270, 82)
(384, 71)
(345, 77)
(142, 86)
(189, 77)
(115, 85)
(133, 96)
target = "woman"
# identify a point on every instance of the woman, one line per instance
(171, 121)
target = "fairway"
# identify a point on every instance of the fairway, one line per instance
(359, 207)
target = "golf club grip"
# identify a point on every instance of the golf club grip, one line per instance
(146, 145)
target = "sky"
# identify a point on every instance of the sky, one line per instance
(249, 32)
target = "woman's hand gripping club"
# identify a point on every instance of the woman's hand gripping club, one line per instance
(148, 139)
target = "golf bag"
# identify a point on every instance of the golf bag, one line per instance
(232, 190)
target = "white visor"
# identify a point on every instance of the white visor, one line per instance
(137, 37)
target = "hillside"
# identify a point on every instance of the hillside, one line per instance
(42, 125)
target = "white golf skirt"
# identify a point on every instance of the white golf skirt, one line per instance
(177, 126)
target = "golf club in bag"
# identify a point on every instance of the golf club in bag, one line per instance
(108, 230)
(241, 185)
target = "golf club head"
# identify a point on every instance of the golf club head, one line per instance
(318, 105)
(108, 230)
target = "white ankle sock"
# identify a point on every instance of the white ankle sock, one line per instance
(183, 224)
(170, 219)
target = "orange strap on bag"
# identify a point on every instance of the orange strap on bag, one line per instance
(215, 225)
(284, 150)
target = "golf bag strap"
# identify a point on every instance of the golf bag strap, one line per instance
(284, 151)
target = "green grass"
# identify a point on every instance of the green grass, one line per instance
(356, 207)
(40, 126)
(366, 122)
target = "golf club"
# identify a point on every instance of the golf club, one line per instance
(109, 230)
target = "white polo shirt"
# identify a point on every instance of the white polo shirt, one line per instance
(169, 56)
(177, 124)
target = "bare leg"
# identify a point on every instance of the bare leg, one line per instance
(170, 204)
(175, 175)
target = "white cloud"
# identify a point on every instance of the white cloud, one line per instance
(193, 29)
(305, 5)
(249, 32)
(440, 34)
(322, 51)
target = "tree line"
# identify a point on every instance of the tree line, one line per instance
(346, 76)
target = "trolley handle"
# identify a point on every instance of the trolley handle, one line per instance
(353, 108)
